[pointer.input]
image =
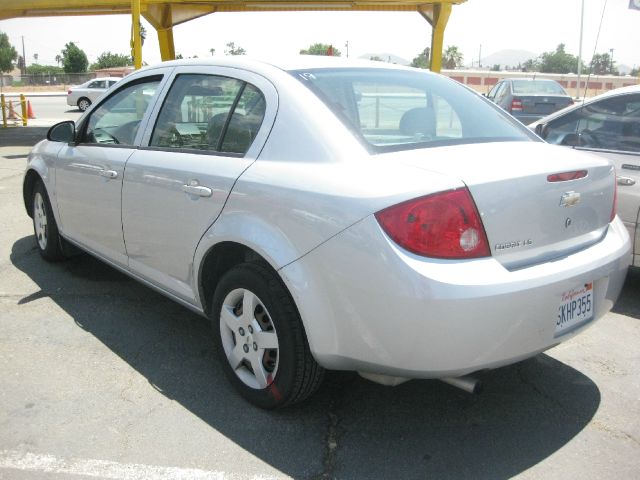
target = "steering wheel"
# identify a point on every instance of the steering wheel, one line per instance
(588, 139)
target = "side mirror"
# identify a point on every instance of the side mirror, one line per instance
(542, 130)
(64, 132)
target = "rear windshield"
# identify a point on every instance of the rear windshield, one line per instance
(532, 87)
(403, 109)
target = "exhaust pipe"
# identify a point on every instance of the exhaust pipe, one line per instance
(468, 384)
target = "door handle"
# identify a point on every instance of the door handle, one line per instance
(198, 190)
(108, 174)
(626, 181)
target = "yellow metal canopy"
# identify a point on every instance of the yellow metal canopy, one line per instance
(164, 14)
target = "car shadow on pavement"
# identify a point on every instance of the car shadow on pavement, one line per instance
(352, 428)
(22, 136)
(629, 301)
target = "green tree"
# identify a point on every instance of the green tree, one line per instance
(423, 60)
(559, 61)
(8, 54)
(232, 49)
(321, 49)
(110, 60)
(452, 57)
(601, 65)
(43, 69)
(531, 65)
(495, 68)
(74, 60)
(635, 72)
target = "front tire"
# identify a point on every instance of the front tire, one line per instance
(45, 228)
(260, 338)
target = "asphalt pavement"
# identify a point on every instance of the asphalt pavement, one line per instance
(101, 377)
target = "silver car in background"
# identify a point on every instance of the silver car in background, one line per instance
(82, 96)
(607, 125)
(334, 214)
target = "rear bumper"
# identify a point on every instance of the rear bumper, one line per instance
(528, 118)
(369, 306)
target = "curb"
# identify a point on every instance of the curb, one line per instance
(35, 94)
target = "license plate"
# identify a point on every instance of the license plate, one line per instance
(576, 308)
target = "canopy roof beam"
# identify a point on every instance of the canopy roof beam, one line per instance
(163, 15)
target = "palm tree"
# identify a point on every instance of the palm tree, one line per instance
(452, 57)
(213, 51)
(58, 59)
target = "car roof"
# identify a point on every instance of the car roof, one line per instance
(295, 62)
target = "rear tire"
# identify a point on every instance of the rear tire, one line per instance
(260, 338)
(45, 228)
(84, 103)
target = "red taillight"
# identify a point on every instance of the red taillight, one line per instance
(442, 225)
(516, 105)
(69, 92)
(614, 208)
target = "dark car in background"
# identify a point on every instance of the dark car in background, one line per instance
(529, 99)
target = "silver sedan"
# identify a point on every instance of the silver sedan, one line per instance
(334, 214)
(82, 96)
(607, 125)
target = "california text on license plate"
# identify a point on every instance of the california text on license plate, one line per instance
(576, 307)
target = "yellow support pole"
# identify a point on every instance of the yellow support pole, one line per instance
(3, 105)
(441, 13)
(165, 39)
(136, 41)
(23, 109)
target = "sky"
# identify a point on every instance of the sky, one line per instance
(533, 25)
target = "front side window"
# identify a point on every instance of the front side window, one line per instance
(209, 112)
(116, 120)
(609, 124)
(402, 109)
(97, 84)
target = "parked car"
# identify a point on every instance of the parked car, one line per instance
(82, 96)
(607, 125)
(334, 214)
(529, 99)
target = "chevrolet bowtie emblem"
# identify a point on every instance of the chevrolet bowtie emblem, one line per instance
(569, 199)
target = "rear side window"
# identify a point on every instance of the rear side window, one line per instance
(404, 109)
(211, 113)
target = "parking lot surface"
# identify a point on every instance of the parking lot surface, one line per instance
(101, 377)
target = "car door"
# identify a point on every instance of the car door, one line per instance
(206, 132)
(609, 127)
(89, 172)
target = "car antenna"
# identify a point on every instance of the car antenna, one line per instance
(586, 86)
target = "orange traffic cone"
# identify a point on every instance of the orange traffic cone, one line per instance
(12, 112)
(30, 110)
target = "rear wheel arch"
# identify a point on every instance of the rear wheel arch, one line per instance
(218, 260)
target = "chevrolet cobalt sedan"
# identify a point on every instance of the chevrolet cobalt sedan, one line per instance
(334, 214)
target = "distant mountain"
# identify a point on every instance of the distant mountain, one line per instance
(507, 58)
(386, 57)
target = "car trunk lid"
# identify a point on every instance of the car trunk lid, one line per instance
(529, 215)
(539, 104)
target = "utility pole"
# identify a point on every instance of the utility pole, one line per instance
(580, 51)
(611, 61)
(24, 59)
(347, 47)
(480, 57)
